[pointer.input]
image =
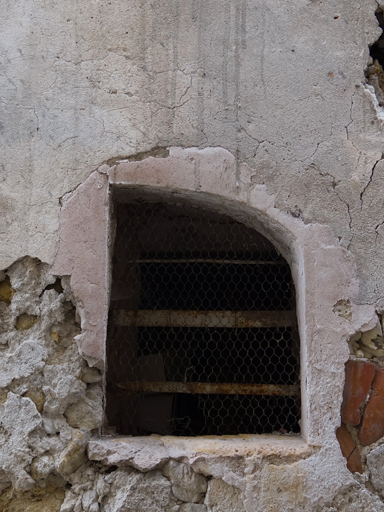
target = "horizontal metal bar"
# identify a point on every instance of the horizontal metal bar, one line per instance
(209, 388)
(228, 319)
(210, 260)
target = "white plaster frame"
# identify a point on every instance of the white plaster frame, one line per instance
(323, 272)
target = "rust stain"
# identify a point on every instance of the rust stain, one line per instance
(209, 260)
(209, 388)
(169, 318)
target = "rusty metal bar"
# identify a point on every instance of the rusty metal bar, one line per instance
(209, 388)
(209, 260)
(169, 318)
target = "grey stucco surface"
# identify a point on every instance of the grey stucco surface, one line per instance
(279, 85)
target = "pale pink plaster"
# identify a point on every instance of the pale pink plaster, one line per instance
(83, 254)
(210, 170)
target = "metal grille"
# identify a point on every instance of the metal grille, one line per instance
(202, 335)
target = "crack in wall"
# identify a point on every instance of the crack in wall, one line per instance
(369, 181)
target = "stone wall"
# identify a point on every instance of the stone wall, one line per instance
(268, 110)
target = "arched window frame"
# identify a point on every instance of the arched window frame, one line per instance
(323, 271)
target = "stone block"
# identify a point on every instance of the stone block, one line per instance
(69, 502)
(74, 454)
(187, 485)
(91, 375)
(37, 499)
(139, 492)
(192, 507)
(87, 413)
(372, 427)
(89, 501)
(375, 463)
(26, 321)
(38, 398)
(42, 466)
(222, 497)
(349, 450)
(358, 379)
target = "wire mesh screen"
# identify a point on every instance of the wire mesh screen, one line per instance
(202, 335)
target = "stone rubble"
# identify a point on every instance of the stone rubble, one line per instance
(187, 485)
(51, 405)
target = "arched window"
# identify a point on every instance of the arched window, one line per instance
(202, 336)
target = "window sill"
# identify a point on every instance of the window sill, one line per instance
(151, 452)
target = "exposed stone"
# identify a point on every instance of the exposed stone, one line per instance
(375, 463)
(102, 487)
(26, 359)
(49, 425)
(3, 396)
(187, 485)
(91, 375)
(354, 345)
(349, 450)
(133, 491)
(55, 336)
(38, 499)
(371, 342)
(193, 507)
(368, 344)
(69, 502)
(18, 419)
(358, 379)
(6, 290)
(372, 427)
(74, 454)
(221, 496)
(352, 499)
(64, 388)
(42, 466)
(26, 321)
(343, 309)
(89, 501)
(37, 397)
(371, 338)
(87, 413)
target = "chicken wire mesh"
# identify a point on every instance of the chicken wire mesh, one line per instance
(202, 336)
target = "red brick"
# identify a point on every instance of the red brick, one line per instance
(358, 379)
(349, 450)
(372, 427)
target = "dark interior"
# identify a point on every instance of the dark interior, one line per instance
(179, 258)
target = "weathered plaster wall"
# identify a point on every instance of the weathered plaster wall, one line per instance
(281, 88)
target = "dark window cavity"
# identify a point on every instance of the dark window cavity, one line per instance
(202, 336)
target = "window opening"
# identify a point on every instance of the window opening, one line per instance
(202, 336)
